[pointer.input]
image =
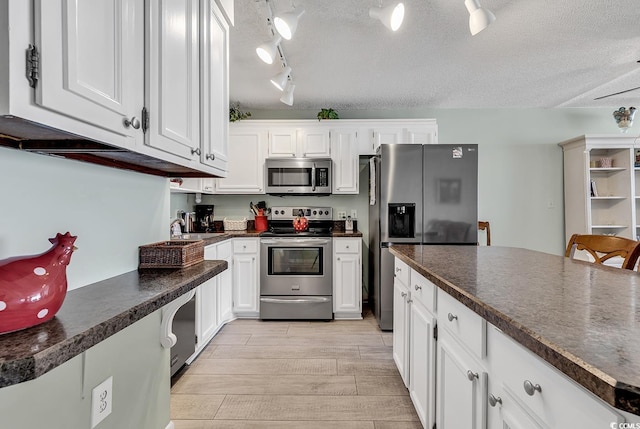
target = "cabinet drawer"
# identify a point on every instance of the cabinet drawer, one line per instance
(401, 272)
(467, 326)
(559, 402)
(244, 245)
(346, 245)
(422, 290)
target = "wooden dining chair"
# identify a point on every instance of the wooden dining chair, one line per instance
(604, 247)
(484, 226)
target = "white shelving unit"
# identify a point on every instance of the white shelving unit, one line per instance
(614, 206)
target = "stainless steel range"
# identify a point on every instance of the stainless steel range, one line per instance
(295, 267)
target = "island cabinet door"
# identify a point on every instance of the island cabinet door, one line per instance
(461, 386)
(401, 329)
(422, 363)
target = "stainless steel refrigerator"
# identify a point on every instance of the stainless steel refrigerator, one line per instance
(424, 194)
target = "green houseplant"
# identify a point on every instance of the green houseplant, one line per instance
(236, 114)
(327, 114)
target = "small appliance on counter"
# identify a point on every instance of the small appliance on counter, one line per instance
(204, 218)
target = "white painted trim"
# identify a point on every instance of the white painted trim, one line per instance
(170, 425)
(167, 337)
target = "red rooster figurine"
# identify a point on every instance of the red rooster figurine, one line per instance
(32, 288)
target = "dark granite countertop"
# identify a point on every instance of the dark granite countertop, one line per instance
(581, 318)
(93, 313)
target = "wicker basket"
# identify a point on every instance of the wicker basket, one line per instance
(171, 254)
(235, 225)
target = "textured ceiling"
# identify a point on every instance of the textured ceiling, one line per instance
(538, 53)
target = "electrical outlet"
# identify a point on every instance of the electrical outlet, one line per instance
(354, 214)
(342, 214)
(101, 401)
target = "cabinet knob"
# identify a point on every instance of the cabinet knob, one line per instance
(195, 151)
(403, 294)
(472, 375)
(416, 287)
(337, 259)
(493, 401)
(409, 301)
(452, 317)
(210, 156)
(347, 246)
(133, 122)
(531, 388)
(398, 270)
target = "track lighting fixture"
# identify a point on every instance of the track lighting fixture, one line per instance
(287, 96)
(286, 23)
(280, 80)
(391, 16)
(479, 17)
(269, 49)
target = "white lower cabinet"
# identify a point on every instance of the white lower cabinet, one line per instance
(246, 273)
(224, 297)
(206, 313)
(421, 361)
(460, 386)
(401, 328)
(473, 375)
(347, 278)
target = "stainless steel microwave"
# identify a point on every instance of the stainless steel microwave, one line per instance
(298, 176)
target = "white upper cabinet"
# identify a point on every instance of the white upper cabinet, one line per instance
(417, 131)
(147, 77)
(92, 62)
(305, 142)
(344, 153)
(214, 83)
(173, 80)
(247, 148)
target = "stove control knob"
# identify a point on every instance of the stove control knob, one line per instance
(277, 212)
(314, 212)
(326, 212)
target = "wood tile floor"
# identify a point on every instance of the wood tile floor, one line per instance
(294, 375)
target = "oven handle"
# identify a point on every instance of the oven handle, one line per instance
(296, 241)
(312, 299)
(313, 177)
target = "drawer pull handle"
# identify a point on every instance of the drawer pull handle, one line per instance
(417, 287)
(195, 151)
(452, 317)
(409, 301)
(531, 388)
(398, 270)
(493, 401)
(403, 294)
(472, 375)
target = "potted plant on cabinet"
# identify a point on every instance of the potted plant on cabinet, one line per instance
(327, 114)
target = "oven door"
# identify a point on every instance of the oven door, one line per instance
(295, 266)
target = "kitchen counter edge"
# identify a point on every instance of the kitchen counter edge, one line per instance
(208, 240)
(93, 313)
(619, 394)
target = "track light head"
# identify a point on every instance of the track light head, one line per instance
(391, 16)
(280, 80)
(479, 17)
(269, 49)
(287, 23)
(287, 96)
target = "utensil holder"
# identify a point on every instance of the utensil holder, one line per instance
(261, 223)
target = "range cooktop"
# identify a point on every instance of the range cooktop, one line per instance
(281, 223)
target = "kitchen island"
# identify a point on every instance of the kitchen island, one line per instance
(111, 328)
(579, 317)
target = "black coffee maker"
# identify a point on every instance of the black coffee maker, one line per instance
(204, 218)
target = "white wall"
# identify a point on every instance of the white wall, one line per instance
(520, 172)
(111, 211)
